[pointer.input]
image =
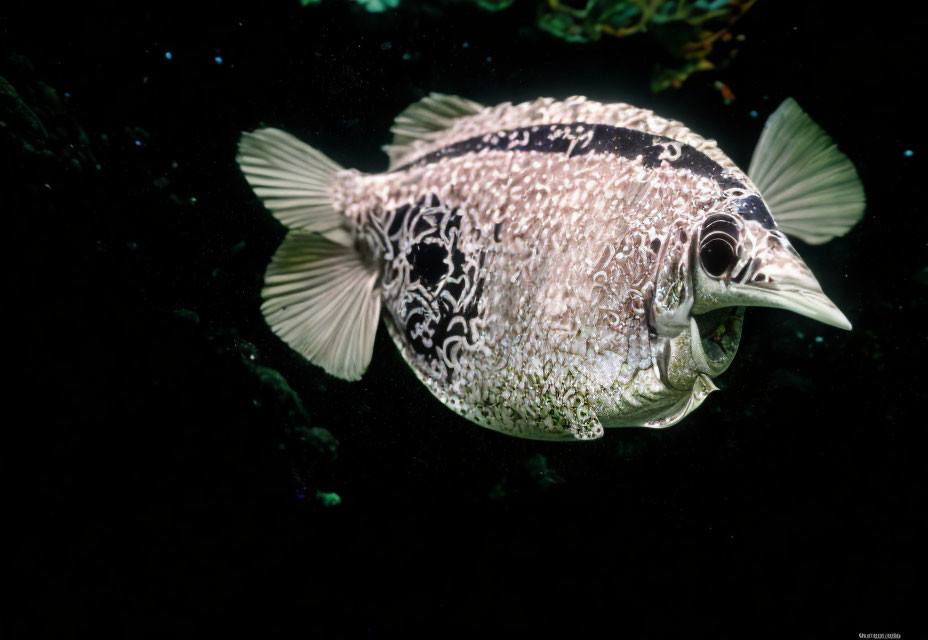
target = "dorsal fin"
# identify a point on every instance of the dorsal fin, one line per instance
(426, 120)
(811, 187)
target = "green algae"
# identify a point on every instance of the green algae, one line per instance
(328, 499)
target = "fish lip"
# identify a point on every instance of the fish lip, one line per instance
(663, 362)
(711, 353)
(807, 301)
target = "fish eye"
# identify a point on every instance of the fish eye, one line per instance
(718, 244)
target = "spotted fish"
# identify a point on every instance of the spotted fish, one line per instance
(549, 268)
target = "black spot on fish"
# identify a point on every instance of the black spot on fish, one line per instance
(438, 287)
(497, 228)
(428, 262)
(398, 217)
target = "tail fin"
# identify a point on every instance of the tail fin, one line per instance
(319, 295)
(292, 179)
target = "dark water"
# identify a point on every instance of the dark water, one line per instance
(174, 459)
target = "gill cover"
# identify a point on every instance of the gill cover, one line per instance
(673, 293)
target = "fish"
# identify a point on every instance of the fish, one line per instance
(549, 269)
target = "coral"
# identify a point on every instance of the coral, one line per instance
(378, 6)
(686, 29)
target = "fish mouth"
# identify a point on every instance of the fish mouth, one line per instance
(714, 338)
(712, 342)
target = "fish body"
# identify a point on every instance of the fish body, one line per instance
(547, 269)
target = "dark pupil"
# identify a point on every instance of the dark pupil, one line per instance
(717, 246)
(717, 255)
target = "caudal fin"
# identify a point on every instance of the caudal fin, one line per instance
(812, 189)
(292, 179)
(319, 295)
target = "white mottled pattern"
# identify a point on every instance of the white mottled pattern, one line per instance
(561, 326)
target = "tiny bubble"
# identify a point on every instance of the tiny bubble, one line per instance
(168, 55)
(819, 339)
(489, 59)
(465, 45)
(193, 200)
(753, 113)
(217, 60)
(138, 143)
(67, 94)
(174, 165)
(908, 153)
(407, 56)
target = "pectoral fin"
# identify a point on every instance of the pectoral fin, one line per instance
(812, 189)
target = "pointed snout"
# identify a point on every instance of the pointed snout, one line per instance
(798, 292)
(775, 277)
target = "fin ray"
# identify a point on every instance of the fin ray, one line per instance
(811, 187)
(324, 302)
(292, 179)
(424, 121)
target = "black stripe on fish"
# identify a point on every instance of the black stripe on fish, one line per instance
(753, 208)
(440, 286)
(580, 138)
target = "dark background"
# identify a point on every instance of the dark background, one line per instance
(169, 455)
